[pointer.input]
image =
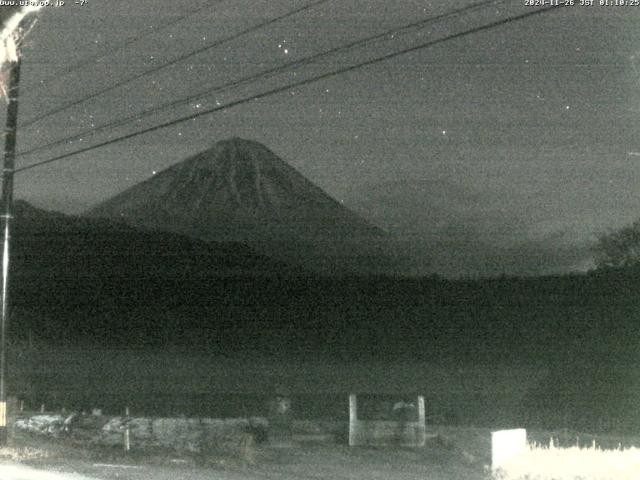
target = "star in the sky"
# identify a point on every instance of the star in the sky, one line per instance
(282, 46)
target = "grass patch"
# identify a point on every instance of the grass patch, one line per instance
(23, 453)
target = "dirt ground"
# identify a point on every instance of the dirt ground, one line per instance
(452, 453)
(455, 454)
(300, 463)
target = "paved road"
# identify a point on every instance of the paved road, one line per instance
(12, 471)
(125, 472)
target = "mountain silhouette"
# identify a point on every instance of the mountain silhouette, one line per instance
(240, 191)
(86, 278)
(68, 245)
(457, 230)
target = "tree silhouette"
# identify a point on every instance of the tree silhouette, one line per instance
(619, 248)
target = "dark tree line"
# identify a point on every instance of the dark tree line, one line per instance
(619, 248)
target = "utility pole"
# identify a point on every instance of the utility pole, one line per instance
(8, 168)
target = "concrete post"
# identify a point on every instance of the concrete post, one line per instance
(353, 419)
(421, 411)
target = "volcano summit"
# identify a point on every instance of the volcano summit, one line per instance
(240, 191)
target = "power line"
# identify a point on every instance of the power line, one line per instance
(215, 44)
(264, 74)
(300, 83)
(95, 58)
(294, 85)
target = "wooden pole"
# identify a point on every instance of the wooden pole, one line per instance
(7, 203)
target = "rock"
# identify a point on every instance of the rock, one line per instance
(236, 436)
(41, 424)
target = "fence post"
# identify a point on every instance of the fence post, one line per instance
(421, 410)
(422, 422)
(353, 419)
(127, 432)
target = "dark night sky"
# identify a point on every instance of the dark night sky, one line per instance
(516, 142)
